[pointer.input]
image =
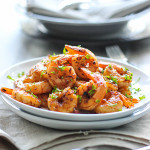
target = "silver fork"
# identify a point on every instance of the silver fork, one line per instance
(116, 53)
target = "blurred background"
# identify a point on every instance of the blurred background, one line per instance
(35, 28)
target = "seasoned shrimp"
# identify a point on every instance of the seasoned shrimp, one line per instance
(126, 101)
(38, 87)
(92, 92)
(26, 98)
(38, 72)
(84, 59)
(61, 76)
(122, 78)
(24, 79)
(111, 103)
(44, 99)
(65, 101)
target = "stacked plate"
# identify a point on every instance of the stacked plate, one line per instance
(67, 19)
(69, 121)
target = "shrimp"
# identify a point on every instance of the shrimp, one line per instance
(111, 103)
(26, 98)
(61, 76)
(79, 82)
(6, 90)
(37, 87)
(84, 58)
(44, 99)
(126, 101)
(92, 92)
(122, 78)
(38, 72)
(65, 101)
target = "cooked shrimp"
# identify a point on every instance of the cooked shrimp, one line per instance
(79, 82)
(112, 103)
(123, 80)
(111, 86)
(84, 59)
(37, 87)
(44, 99)
(24, 79)
(26, 98)
(61, 76)
(92, 92)
(65, 101)
(126, 101)
(6, 90)
(38, 72)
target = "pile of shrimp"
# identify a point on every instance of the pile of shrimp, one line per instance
(75, 82)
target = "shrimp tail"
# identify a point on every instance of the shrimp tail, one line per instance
(95, 76)
(6, 90)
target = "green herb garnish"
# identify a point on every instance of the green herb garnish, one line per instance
(33, 95)
(128, 96)
(64, 51)
(53, 72)
(92, 91)
(79, 97)
(142, 97)
(20, 74)
(97, 101)
(53, 96)
(110, 66)
(125, 68)
(62, 68)
(55, 89)
(127, 77)
(137, 81)
(87, 56)
(9, 77)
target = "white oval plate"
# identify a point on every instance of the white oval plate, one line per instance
(76, 125)
(26, 65)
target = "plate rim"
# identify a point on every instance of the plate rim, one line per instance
(77, 125)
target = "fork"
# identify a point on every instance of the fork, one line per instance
(116, 53)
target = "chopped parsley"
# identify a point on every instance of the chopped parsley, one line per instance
(62, 68)
(79, 97)
(55, 89)
(142, 97)
(92, 91)
(20, 74)
(119, 109)
(102, 71)
(87, 56)
(33, 95)
(9, 77)
(52, 55)
(137, 81)
(97, 101)
(128, 96)
(64, 51)
(75, 90)
(127, 77)
(53, 72)
(125, 68)
(53, 96)
(110, 104)
(137, 90)
(110, 66)
(42, 73)
(112, 79)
